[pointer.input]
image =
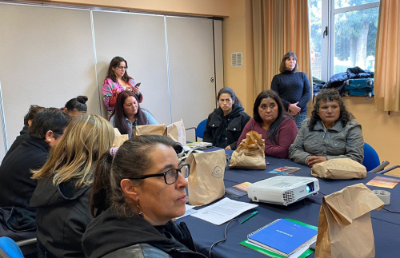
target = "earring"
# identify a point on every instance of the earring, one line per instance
(140, 213)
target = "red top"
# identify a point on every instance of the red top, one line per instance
(285, 136)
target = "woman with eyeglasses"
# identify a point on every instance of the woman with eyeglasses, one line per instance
(135, 196)
(61, 197)
(118, 80)
(277, 128)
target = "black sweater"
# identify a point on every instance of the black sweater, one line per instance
(16, 185)
(292, 87)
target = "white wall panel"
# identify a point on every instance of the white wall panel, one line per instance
(191, 62)
(46, 58)
(140, 40)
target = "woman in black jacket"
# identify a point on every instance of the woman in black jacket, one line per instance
(61, 197)
(135, 196)
(226, 123)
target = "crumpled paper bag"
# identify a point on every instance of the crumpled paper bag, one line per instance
(339, 169)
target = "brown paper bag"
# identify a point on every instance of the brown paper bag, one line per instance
(206, 178)
(250, 153)
(119, 139)
(344, 227)
(150, 130)
(176, 132)
(339, 169)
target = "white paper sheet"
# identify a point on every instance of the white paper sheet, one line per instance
(189, 211)
(223, 211)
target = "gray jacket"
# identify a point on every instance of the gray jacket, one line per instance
(333, 143)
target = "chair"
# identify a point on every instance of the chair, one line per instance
(9, 248)
(372, 163)
(371, 157)
(199, 130)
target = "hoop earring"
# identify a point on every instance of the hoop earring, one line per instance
(140, 213)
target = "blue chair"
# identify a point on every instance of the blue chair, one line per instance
(9, 248)
(371, 157)
(199, 130)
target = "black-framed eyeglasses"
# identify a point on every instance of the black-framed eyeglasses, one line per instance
(171, 175)
(122, 67)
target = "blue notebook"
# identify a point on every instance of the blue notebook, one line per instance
(283, 237)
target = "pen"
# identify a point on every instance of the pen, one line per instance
(251, 215)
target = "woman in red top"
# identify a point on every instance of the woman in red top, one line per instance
(270, 119)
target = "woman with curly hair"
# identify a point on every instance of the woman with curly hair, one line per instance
(330, 133)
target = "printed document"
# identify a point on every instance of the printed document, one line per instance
(223, 211)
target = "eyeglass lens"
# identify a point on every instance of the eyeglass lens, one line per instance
(172, 175)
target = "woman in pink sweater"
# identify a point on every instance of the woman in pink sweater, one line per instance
(270, 119)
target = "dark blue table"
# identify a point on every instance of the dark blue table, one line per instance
(386, 225)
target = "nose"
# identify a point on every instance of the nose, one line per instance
(181, 182)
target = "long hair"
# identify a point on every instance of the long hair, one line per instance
(119, 114)
(329, 95)
(132, 160)
(282, 67)
(49, 119)
(231, 93)
(113, 64)
(273, 129)
(76, 155)
(78, 103)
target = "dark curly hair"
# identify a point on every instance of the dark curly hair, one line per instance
(329, 95)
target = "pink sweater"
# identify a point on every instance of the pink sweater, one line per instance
(285, 136)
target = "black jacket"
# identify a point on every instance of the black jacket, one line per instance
(23, 136)
(62, 214)
(111, 236)
(16, 185)
(229, 127)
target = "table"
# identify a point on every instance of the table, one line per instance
(386, 225)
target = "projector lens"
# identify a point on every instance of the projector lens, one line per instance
(310, 187)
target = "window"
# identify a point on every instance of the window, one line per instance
(342, 35)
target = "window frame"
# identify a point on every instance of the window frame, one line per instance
(328, 42)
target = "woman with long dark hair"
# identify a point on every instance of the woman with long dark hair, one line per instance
(118, 80)
(292, 87)
(270, 119)
(330, 133)
(128, 114)
(226, 123)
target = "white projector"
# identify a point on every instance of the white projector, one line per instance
(283, 190)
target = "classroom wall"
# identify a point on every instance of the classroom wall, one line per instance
(237, 37)
(379, 129)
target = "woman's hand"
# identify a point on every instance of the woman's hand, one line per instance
(228, 148)
(136, 90)
(294, 109)
(315, 159)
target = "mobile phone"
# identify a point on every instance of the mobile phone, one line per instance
(138, 84)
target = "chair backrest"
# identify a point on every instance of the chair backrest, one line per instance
(371, 157)
(10, 248)
(201, 128)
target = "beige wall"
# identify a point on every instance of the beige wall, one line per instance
(194, 7)
(237, 37)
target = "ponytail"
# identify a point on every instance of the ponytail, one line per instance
(101, 189)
